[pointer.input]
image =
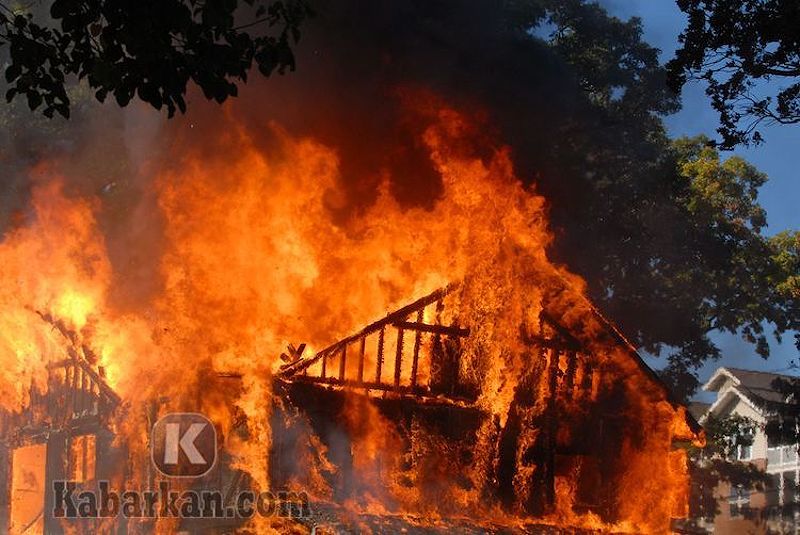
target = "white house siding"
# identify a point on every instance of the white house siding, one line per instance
(782, 462)
(744, 408)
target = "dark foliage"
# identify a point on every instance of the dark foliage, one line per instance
(784, 427)
(748, 54)
(667, 234)
(147, 48)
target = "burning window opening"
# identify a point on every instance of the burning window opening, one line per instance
(28, 489)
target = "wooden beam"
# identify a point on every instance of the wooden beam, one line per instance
(367, 385)
(448, 330)
(396, 316)
(550, 343)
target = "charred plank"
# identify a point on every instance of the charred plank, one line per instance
(447, 330)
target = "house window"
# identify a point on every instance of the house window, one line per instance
(745, 452)
(782, 455)
(739, 501)
(773, 491)
(789, 487)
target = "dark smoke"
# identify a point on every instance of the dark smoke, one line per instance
(354, 59)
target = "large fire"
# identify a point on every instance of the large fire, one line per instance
(259, 250)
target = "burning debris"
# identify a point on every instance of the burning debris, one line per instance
(503, 402)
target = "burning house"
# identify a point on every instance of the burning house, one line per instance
(398, 421)
(499, 399)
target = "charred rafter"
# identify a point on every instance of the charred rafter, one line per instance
(400, 321)
(77, 399)
(447, 330)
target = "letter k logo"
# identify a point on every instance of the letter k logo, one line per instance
(184, 445)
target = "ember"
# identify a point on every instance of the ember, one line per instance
(499, 399)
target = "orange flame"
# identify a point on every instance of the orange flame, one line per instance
(257, 254)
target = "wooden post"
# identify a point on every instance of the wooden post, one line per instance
(552, 429)
(73, 388)
(361, 352)
(586, 380)
(83, 391)
(379, 363)
(415, 359)
(342, 362)
(56, 468)
(68, 371)
(569, 380)
(398, 358)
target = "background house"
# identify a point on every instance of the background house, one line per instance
(750, 393)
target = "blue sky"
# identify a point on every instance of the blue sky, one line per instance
(663, 22)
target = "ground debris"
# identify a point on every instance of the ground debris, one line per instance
(331, 519)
